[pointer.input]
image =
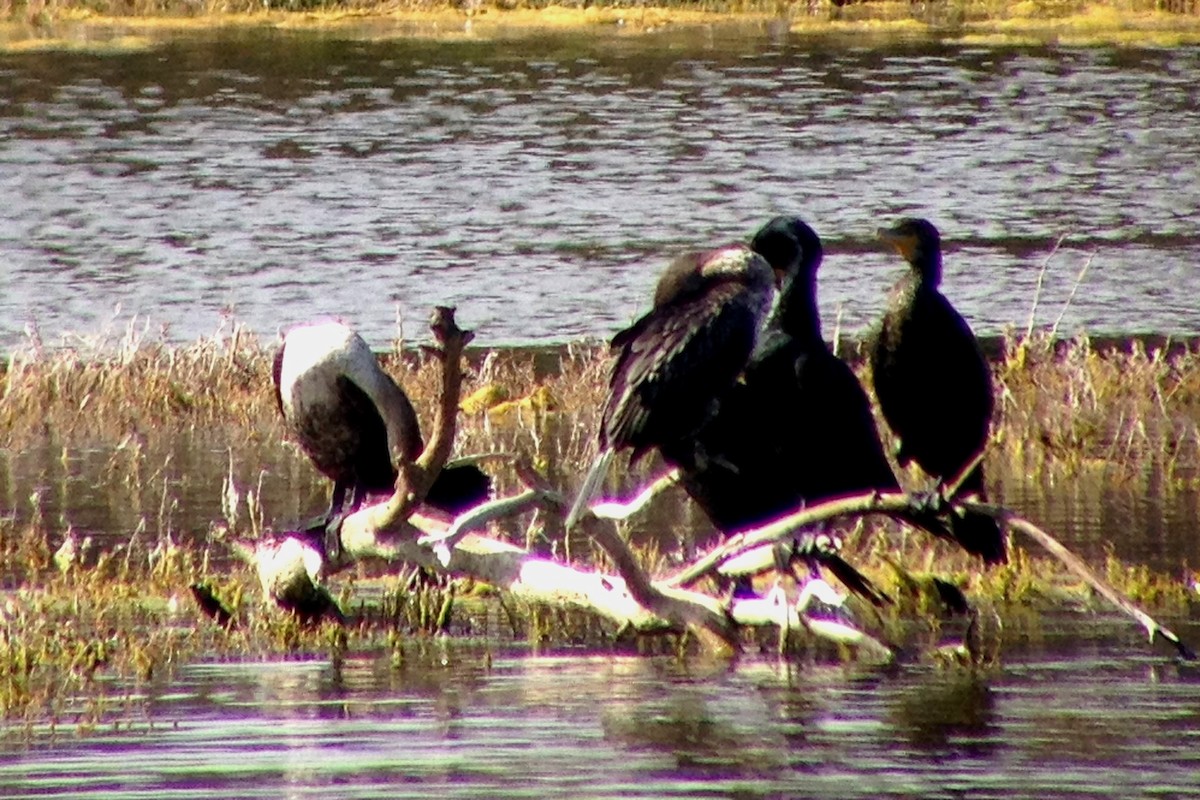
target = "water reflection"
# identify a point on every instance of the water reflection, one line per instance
(449, 723)
(948, 715)
(540, 184)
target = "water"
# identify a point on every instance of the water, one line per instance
(1097, 721)
(541, 184)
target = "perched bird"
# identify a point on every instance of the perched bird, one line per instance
(352, 420)
(933, 383)
(676, 360)
(798, 428)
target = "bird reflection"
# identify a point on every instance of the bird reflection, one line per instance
(948, 714)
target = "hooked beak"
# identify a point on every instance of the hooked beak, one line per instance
(904, 244)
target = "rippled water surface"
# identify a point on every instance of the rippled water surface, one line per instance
(1103, 723)
(541, 183)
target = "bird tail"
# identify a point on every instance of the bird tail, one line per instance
(459, 487)
(980, 535)
(590, 488)
(823, 550)
(855, 581)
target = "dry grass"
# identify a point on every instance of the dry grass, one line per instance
(1066, 408)
(1062, 408)
(983, 21)
(1128, 409)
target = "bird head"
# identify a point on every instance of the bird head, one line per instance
(919, 243)
(790, 246)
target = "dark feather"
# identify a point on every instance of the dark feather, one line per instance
(458, 488)
(933, 383)
(798, 429)
(673, 362)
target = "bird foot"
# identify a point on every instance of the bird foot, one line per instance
(333, 536)
(932, 500)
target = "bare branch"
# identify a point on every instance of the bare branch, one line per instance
(414, 478)
(475, 518)
(698, 612)
(1102, 587)
(894, 502)
(451, 340)
(785, 526)
(621, 510)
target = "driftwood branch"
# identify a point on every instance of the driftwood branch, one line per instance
(892, 503)
(624, 509)
(291, 566)
(700, 613)
(1077, 566)
(414, 478)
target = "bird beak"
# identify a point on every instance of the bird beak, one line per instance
(780, 277)
(904, 244)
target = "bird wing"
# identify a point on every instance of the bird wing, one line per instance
(674, 362)
(365, 436)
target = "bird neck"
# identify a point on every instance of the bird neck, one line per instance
(796, 312)
(928, 267)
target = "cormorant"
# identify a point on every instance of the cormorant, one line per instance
(798, 428)
(351, 419)
(677, 359)
(933, 383)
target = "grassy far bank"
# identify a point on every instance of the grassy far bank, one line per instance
(119, 24)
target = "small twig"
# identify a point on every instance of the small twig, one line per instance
(1037, 292)
(619, 510)
(1078, 281)
(951, 489)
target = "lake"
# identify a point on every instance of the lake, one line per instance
(1088, 720)
(539, 184)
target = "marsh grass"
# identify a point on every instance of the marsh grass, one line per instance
(79, 621)
(1129, 409)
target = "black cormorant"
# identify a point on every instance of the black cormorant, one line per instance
(351, 419)
(932, 381)
(676, 360)
(797, 429)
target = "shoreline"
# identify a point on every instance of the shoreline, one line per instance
(546, 357)
(964, 23)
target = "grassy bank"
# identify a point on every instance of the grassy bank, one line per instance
(73, 619)
(117, 24)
